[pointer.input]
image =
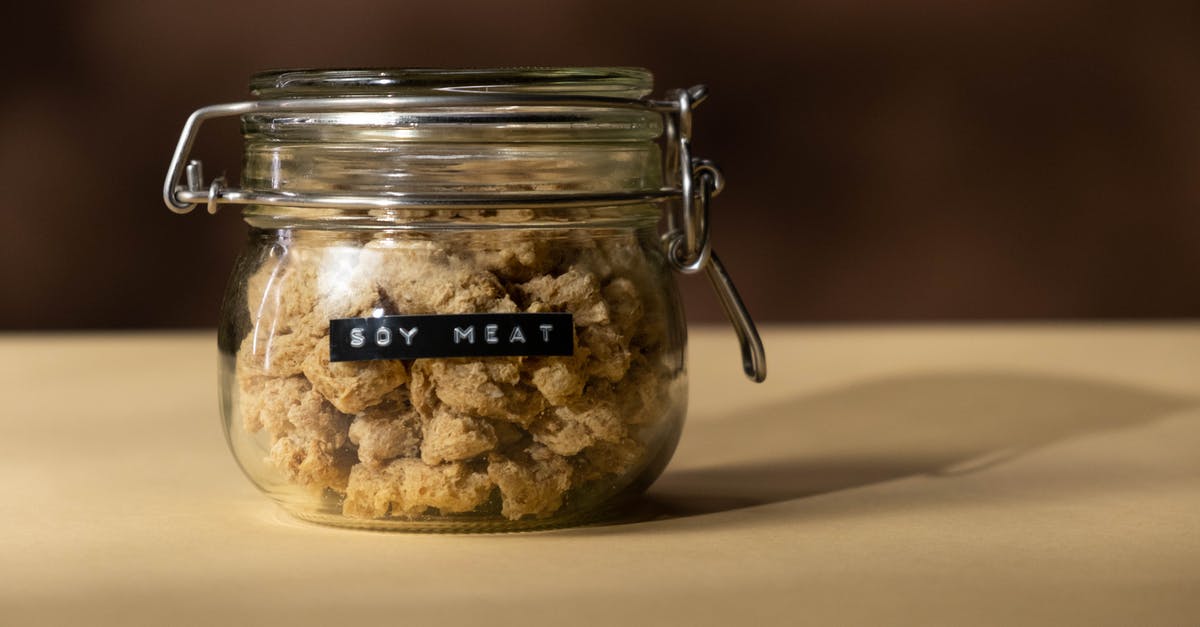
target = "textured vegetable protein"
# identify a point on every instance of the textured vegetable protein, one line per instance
(511, 437)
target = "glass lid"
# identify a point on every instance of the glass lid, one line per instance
(611, 82)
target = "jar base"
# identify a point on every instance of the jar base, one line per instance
(613, 514)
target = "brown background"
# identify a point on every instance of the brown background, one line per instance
(886, 161)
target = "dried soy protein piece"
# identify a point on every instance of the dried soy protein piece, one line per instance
(559, 379)
(643, 394)
(451, 437)
(492, 215)
(312, 462)
(615, 255)
(573, 291)
(622, 258)
(624, 303)
(275, 352)
(568, 430)
(328, 282)
(512, 256)
(510, 436)
(610, 355)
(409, 487)
(580, 293)
(263, 401)
(291, 299)
(420, 277)
(386, 431)
(531, 483)
(289, 405)
(609, 459)
(352, 386)
(309, 442)
(315, 419)
(625, 256)
(489, 388)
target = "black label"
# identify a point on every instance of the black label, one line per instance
(451, 335)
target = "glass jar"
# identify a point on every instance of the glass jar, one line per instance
(455, 311)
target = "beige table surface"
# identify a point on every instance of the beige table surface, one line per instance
(969, 475)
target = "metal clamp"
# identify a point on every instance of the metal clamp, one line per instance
(687, 242)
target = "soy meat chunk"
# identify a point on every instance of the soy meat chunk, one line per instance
(274, 352)
(312, 418)
(263, 401)
(531, 483)
(510, 436)
(409, 487)
(421, 277)
(383, 438)
(608, 459)
(643, 395)
(353, 386)
(489, 388)
(292, 297)
(289, 405)
(494, 215)
(574, 291)
(297, 279)
(309, 442)
(568, 430)
(625, 255)
(332, 282)
(312, 462)
(609, 351)
(624, 304)
(613, 255)
(559, 379)
(580, 293)
(624, 261)
(591, 258)
(451, 437)
(517, 256)
(386, 431)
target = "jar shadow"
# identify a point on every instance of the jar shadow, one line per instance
(882, 430)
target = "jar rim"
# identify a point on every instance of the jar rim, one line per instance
(613, 82)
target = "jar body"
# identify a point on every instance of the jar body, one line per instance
(463, 443)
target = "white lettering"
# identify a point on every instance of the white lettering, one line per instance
(408, 334)
(383, 336)
(517, 336)
(489, 334)
(546, 329)
(357, 337)
(467, 334)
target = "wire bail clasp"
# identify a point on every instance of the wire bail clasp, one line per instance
(687, 242)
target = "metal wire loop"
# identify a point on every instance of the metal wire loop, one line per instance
(690, 248)
(701, 167)
(214, 194)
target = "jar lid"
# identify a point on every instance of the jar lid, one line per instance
(394, 138)
(613, 82)
(495, 137)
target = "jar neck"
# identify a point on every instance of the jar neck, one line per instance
(643, 215)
